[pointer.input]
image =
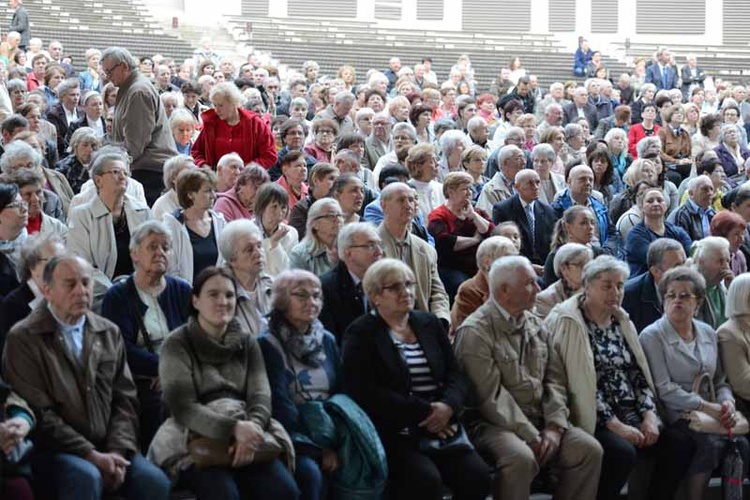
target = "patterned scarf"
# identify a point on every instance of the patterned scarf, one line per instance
(306, 347)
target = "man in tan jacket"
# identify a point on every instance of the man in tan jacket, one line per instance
(518, 415)
(69, 365)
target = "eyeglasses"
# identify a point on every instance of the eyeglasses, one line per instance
(679, 296)
(331, 217)
(109, 71)
(371, 247)
(400, 287)
(325, 132)
(18, 205)
(116, 172)
(305, 296)
(401, 138)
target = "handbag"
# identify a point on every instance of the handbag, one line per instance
(732, 471)
(207, 452)
(436, 446)
(700, 421)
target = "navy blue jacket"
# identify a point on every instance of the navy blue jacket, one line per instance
(122, 305)
(640, 237)
(641, 302)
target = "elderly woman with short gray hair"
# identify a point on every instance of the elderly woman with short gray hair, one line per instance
(168, 202)
(452, 144)
(575, 152)
(731, 153)
(228, 127)
(100, 229)
(683, 352)
(607, 371)
(543, 159)
(317, 251)
(569, 261)
(241, 246)
(83, 144)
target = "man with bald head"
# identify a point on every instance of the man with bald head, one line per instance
(501, 187)
(520, 421)
(580, 191)
(534, 218)
(69, 365)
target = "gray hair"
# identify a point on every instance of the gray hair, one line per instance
(517, 131)
(698, 179)
(503, 271)
(738, 297)
(408, 127)
(180, 116)
(105, 156)
(709, 245)
(120, 56)
(507, 152)
(67, 85)
(615, 131)
(494, 248)
(83, 135)
(543, 150)
(726, 127)
(604, 264)
(51, 266)
(571, 130)
(361, 113)
(450, 140)
(646, 143)
(349, 231)
(231, 234)
(683, 273)
(475, 124)
(175, 165)
(227, 91)
(285, 282)
(658, 248)
(15, 84)
(31, 252)
(146, 229)
(380, 271)
(345, 96)
(552, 105)
(19, 150)
(571, 252)
(230, 158)
(645, 88)
(315, 210)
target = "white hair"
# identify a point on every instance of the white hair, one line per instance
(505, 271)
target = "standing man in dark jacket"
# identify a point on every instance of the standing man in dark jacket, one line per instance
(20, 22)
(69, 365)
(140, 122)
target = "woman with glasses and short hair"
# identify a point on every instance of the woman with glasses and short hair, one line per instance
(317, 252)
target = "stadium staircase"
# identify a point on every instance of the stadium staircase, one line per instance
(81, 24)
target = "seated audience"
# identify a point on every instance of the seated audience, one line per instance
(31, 187)
(293, 177)
(195, 227)
(270, 209)
(519, 419)
(569, 261)
(75, 167)
(168, 203)
(577, 225)
(423, 168)
(227, 170)
(731, 226)
(640, 299)
(731, 153)
(551, 183)
(711, 259)
(215, 386)
(734, 348)
(695, 215)
(386, 350)
(87, 439)
(349, 191)
(146, 306)
(322, 177)
(671, 346)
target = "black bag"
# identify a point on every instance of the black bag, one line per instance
(435, 446)
(732, 470)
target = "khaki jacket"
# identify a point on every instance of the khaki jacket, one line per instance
(78, 408)
(734, 349)
(571, 348)
(471, 295)
(516, 387)
(430, 293)
(493, 191)
(547, 299)
(60, 186)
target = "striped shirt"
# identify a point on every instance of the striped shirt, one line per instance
(423, 384)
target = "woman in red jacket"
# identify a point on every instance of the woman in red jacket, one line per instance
(227, 128)
(646, 128)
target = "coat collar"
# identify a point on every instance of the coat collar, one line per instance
(41, 321)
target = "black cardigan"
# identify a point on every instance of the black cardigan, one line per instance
(377, 378)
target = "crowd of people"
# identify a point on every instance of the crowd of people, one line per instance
(249, 283)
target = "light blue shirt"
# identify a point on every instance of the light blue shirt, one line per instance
(705, 223)
(73, 334)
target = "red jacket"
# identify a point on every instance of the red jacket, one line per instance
(635, 134)
(251, 138)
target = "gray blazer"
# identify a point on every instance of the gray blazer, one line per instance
(674, 367)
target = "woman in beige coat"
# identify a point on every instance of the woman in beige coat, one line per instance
(734, 339)
(609, 385)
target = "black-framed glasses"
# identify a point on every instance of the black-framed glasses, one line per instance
(331, 217)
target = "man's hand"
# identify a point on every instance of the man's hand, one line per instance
(649, 429)
(550, 443)
(112, 467)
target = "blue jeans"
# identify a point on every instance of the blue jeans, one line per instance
(75, 478)
(270, 481)
(309, 478)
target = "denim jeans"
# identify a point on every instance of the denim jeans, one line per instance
(271, 481)
(74, 478)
